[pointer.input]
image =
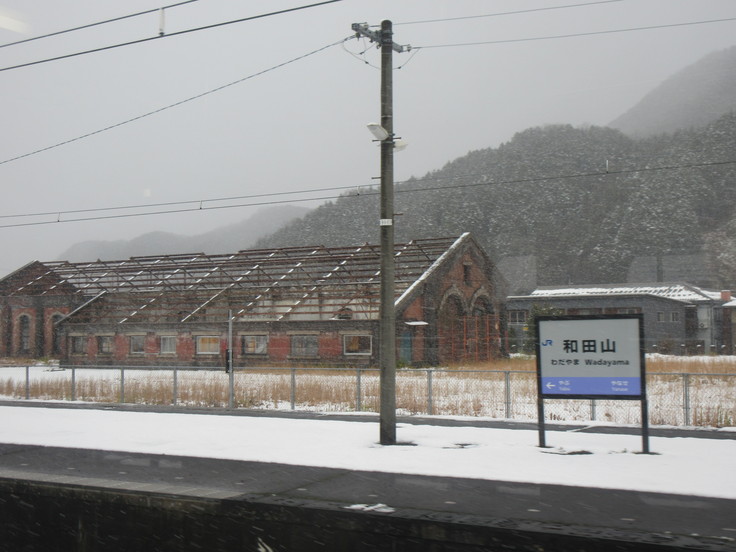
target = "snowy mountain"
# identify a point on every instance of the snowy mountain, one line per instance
(693, 97)
(578, 205)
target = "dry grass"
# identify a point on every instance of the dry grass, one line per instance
(691, 365)
(479, 390)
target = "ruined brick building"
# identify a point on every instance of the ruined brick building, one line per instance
(303, 305)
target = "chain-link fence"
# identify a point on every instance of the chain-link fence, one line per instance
(678, 399)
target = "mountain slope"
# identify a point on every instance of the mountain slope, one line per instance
(693, 97)
(547, 194)
(233, 237)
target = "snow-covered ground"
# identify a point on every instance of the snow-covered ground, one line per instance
(691, 466)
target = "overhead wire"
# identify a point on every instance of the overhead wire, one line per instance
(175, 104)
(198, 205)
(500, 14)
(96, 24)
(574, 35)
(415, 50)
(172, 203)
(167, 35)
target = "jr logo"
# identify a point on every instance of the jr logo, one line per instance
(547, 343)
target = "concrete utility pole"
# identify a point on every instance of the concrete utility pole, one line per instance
(387, 311)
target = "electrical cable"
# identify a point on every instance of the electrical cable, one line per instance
(171, 203)
(176, 104)
(574, 35)
(373, 192)
(358, 56)
(89, 25)
(168, 35)
(415, 48)
(499, 14)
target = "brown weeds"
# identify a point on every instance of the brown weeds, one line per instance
(477, 390)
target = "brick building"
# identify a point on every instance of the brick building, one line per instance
(305, 305)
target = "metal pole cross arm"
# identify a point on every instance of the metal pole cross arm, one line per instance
(362, 29)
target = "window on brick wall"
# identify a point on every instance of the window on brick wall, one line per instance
(357, 344)
(254, 344)
(468, 275)
(56, 344)
(79, 344)
(304, 346)
(104, 344)
(137, 344)
(25, 333)
(208, 345)
(168, 344)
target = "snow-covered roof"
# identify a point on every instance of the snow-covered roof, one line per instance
(676, 291)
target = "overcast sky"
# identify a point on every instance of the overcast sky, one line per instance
(300, 126)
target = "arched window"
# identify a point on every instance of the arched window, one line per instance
(449, 329)
(482, 307)
(56, 334)
(344, 314)
(24, 324)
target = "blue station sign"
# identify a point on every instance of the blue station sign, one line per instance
(590, 357)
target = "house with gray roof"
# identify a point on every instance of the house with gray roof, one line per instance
(678, 317)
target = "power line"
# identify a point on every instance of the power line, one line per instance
(168, 35)
(573, 35)
(200, 202)
(577, 175)
(90, 25)
(416, 48)
(500, 14)
(176, 104)
(371, 192)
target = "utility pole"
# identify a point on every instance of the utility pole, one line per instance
(387, 416)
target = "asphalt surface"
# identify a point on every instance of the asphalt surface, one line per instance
(697, 522)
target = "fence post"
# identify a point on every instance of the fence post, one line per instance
(28, 382)
(74, 384)
(592, 410)
(358, 405)
(231, 384)
(293, 388)
(507, 392)
(686, 398)
(430, 406)
(122, 384)
(176, 387)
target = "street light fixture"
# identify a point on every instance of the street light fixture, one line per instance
(379, 133)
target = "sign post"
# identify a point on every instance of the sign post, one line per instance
(591, 357)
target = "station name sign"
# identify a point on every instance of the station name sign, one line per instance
(590, 356)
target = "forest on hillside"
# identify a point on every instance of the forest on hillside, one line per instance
(578, 205)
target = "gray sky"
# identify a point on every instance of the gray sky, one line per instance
(301, 126)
